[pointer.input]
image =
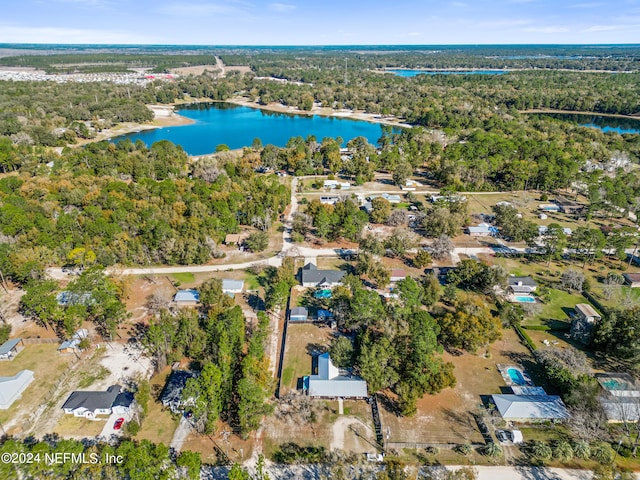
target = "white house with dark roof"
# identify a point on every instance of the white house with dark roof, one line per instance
(521, 284)
(310, 276)
(330, 382)
(171, 395)
(11, 388)
(90, 404)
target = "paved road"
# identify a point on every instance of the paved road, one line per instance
(309, 472)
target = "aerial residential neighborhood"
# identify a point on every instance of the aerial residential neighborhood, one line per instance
(365, 241)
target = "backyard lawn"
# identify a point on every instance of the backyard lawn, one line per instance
(159, 424)
(446, 417)
(301, 340)
(47, 365)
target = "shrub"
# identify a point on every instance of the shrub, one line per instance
(582, 450)
(602, 453)
(492, 450)
(464, 449)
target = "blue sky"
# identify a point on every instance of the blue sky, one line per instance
(320, 22)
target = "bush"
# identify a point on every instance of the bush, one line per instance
(602, 453)
(464, 449)
(293, 453)
(491, 450)
(257, 242)
(525, 338)
(132, 428)
(5, 331)
(544, 197)
(541, 328)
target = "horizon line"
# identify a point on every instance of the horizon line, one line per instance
(4, 44)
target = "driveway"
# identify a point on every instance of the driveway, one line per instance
(108, 432)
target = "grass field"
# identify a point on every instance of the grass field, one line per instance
(446, 417)
(301, 340)
(72, 426)
(184, 278)
(47, 365)
(159, 424)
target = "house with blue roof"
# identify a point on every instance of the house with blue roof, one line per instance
(187, 297)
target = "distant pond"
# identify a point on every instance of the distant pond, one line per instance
(237, 126)
(413, 73)
(606, 124)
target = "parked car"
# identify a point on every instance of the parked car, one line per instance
(118, 424)
(501, 435)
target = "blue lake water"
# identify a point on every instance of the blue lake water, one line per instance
(606, 124)
(236, 126)
(413, 73)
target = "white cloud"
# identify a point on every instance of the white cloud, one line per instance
(414, 34)
(603, 28)
(17, 34)
(546, 29)
(282, 7)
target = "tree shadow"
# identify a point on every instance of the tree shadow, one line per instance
(315, 349)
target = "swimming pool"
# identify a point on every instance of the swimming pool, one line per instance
(524, 299)
(325, 293)
(516, 376)
(615, 384)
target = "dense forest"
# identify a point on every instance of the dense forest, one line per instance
(126, 459)
(128, 204)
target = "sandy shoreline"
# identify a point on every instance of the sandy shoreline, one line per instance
(323, 112)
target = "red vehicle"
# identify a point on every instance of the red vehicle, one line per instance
(118, 424)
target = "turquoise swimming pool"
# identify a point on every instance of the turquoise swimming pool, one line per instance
(516, 376)
(524, 299)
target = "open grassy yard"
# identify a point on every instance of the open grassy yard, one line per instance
(159, 424)
(302, 341)
(237, 449)
(47, 365)
(70, 426)
(447, 416)
(353, 431)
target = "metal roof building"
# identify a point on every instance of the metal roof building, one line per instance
(331, 383)
(12, 387)
(187, 296)
(530, 407)
(232, 286)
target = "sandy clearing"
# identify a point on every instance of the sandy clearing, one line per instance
(124, 362)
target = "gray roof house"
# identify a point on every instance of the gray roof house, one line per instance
(312, 277)
(330, 382)
(583, 324)
(10, 348)
(187, 297)
(527, 408)
(12, 387)
(521, 284)
(89, 404)
(232, 286)
(298, 314)
(171, 395)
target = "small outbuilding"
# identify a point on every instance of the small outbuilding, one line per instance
(10, 348)
(397, 275)
(298, 314)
